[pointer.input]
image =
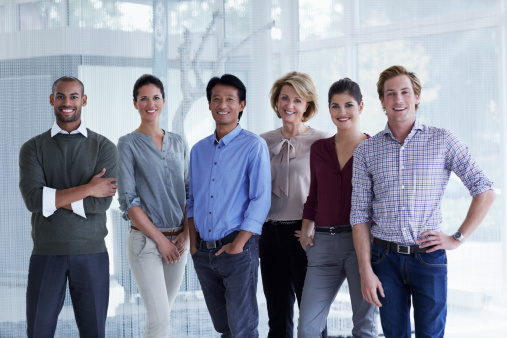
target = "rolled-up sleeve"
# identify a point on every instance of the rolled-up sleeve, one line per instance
(459, 160)
(127, 195)
(259, 173)
(362, 184)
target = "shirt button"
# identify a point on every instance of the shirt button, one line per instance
(209, 230)
(163, 158)
(402, 187)
(402, 167)
(212, 179)
(215, 163)
(218, 147)
(210, 212)
(211, 196)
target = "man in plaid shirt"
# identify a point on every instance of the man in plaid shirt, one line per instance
(399, 179)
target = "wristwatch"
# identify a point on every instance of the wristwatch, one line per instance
(459, 236)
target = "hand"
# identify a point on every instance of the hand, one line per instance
(297, 233)
(193, 249)
(102, 187)
(438, 240)
(230, 248)
(181, 242)
(168, 250)
(305, 240)
(369, 286)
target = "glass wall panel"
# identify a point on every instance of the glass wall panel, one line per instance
(383, 13)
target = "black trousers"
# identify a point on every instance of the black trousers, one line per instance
(283, 269)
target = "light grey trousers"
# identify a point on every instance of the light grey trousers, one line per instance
(330, 261)
(157, 281)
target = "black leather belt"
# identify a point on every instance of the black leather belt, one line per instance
(218, 243)
(335, 230)
(296, 222)
(399, 248)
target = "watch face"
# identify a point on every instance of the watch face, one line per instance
(459, 236)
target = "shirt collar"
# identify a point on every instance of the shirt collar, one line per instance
(229, 137)
(417, 126)
(57, 130)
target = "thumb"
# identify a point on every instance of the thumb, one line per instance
(102, 172)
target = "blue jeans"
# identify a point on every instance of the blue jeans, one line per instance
(420, 278)
(229, 286)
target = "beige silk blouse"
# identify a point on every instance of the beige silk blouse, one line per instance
(290, 172)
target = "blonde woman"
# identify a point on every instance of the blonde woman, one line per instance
(282, 260)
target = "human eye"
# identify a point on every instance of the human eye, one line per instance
(349, 105)
(285, 98)
(334, 106)
(298, 101)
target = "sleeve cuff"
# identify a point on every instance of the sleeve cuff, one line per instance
(252, 226)
(78, 208)
(48, 201)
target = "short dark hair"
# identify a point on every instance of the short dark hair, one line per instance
(345, 85)
(67, 78)
(146, 79)
(228, 80)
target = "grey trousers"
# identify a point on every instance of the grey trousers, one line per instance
(330, 261)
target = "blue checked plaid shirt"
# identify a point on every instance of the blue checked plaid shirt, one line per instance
(399, 185)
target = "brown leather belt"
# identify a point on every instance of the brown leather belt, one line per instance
(165, 233)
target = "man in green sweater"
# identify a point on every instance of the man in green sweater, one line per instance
(67, 182)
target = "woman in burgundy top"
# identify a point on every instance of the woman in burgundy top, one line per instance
(326, 234)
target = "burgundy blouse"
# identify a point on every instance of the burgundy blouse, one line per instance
(329, 200)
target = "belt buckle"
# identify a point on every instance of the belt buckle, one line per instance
(332, 230)
(403, 249)
(211, 244)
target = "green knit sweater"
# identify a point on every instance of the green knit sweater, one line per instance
(62, 162)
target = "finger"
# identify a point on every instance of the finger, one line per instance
(310, 242)
(222, 249)
(102, 172)
(381, 291)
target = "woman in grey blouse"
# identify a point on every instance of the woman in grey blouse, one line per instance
(152, 190)
(283, 261)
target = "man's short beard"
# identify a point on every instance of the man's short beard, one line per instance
(69, 119)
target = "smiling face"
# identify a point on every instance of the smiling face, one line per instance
(399, 101)
(345, 111)
(291, 106)
(67, 100)
(149, 103)
(225, 106)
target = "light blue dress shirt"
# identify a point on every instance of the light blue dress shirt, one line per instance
(230, 184)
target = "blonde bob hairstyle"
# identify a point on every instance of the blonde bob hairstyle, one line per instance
(304, 87)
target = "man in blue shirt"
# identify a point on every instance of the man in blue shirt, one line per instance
(229, 199)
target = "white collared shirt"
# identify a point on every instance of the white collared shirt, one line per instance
(49, 194)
